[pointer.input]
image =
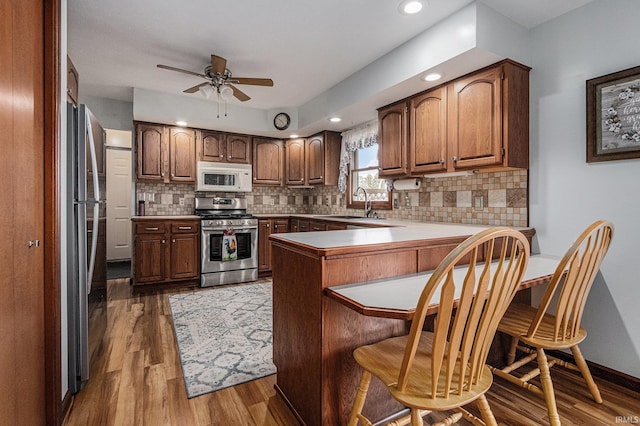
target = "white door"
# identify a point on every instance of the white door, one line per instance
(119, 183)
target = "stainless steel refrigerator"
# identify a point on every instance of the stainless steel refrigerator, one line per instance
(86, 189)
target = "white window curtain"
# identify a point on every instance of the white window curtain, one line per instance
(362, 136)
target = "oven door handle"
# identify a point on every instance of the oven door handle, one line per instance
(234, 228)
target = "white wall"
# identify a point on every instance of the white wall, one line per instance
(111, 113)
(566, 193)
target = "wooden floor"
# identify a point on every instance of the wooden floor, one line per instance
(136, 379)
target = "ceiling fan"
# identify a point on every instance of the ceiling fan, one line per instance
(218, 77)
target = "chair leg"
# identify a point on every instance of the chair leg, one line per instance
(361, 395)
(485, 411)
(511, 355)
(584, 369)
(547, 387)
(416, 417)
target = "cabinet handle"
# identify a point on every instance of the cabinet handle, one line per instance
(441, 161)
(163, 241)
(229, 157)
(267, 225)
(173, 175)
(184, 228)
(35, 243)
(173, 241)
(275, 226)
(162, 174)
(150, 229)
(221, 155)
(454, 158)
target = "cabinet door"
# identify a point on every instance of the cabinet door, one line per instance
(294, 225)
(212, 146)
(264, 246)
(303, 226)
(183, 152)
(295, 162)
(149, 258)
(428, 140)
(475, 120)
(315, 159)
(280, 226)
(239, 149)
(268, 161)
(392, 134)
(185, 255)
(150, 152)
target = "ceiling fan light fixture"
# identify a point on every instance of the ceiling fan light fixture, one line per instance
(206, 91)
(225, 93)
(410, 7)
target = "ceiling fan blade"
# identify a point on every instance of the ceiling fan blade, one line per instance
(253, 81)
(167, 67)
(194, 89)
(239, 93)
(218, 64)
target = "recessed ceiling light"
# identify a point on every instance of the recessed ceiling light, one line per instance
(181, 123)
(335, 119)
(293, 136)
(410, 7)
(432, 77)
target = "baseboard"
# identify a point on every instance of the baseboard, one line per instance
(602, 372)
(64, 406)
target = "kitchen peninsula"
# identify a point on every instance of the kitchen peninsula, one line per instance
(314, 335)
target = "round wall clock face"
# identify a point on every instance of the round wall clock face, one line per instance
(281, 121)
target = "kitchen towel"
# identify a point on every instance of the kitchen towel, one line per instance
(229, 245)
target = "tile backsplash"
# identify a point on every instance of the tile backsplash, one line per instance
(493, 198)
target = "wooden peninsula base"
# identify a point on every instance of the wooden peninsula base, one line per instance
(314, 336)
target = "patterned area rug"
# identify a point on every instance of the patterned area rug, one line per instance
(224, 336)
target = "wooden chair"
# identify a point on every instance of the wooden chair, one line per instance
(541, 329)
(445, 369)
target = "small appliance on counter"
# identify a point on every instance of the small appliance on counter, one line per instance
(229, 241)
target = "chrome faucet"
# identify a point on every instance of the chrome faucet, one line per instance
(367, 203)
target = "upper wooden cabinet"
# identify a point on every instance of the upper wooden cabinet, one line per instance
(428, 138)
(479, 121)
(151, 151)
(268, 161)
(72, 83)
(165, 154)
(295, 164)
(224, 147)
(182, 143)
(323, 158)
(392, 139)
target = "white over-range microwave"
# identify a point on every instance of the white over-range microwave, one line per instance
(224, 177)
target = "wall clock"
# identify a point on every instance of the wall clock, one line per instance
(282, 121)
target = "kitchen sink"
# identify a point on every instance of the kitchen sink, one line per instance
(338, 216)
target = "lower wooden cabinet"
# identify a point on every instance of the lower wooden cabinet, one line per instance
(267, 227)
(165, 250)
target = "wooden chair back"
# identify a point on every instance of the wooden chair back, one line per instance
(465, 324)
(581, 263)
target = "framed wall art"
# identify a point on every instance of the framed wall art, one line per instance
(613, 116)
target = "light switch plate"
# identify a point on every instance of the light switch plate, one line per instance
(478, 202)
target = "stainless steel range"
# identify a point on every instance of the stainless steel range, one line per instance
(224, 219)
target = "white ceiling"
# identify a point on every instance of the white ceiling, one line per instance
(305, 46)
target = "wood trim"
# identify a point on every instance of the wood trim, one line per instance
(288, 404)
(65, 405)
(54, 407)
(602, 372)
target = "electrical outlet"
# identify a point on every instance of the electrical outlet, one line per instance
(326, 200)
(151, 197)
(395, 203)
(478, 202)
(182, 201)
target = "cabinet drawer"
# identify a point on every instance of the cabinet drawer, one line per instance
(184, 228)
(150, 227)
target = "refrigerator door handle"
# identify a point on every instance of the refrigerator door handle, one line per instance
(96, 194)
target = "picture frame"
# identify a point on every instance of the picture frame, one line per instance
(613, 116)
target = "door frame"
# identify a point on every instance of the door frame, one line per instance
(54, 405)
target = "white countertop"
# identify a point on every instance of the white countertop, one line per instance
(402, 293)
(399, 231)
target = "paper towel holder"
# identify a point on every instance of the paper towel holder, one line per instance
(407, 184)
